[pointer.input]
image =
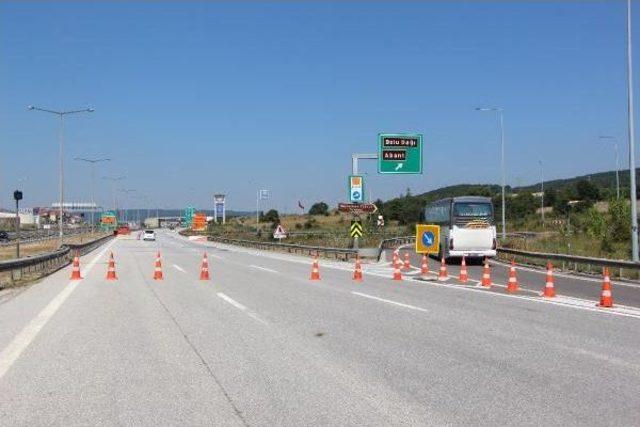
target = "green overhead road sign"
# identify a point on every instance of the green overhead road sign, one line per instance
(399, 153)
(356, 229)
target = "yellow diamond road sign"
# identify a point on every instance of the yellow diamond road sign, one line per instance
(427, 238)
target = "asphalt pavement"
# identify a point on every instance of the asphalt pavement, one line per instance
(261, 344)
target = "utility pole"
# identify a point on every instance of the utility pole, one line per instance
(542, 190)
(92, 162)
(500, 113)
(61, 115)
(632, 156)
(17, 196)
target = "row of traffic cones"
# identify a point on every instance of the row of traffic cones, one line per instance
(513, 286)
(157, 273)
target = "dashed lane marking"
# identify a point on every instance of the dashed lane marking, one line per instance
(241, 307)
(263, 268)
(388, 301)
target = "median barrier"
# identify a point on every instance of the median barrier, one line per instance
(36, 266)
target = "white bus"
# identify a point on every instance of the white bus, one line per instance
(466, 225)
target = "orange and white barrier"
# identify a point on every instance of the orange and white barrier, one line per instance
(549, 288)
(424, 268)
(315, 269)
(512, 285)
(157, 273)
(204, 269)
(111, 270)
(464, 275)
(486, 275)
(75, 269)
(606, 298)
(407, 261)
(357, 273)
(442, 275)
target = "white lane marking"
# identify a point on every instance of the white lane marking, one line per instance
(177, 267)
(231, 301)
(21, 341)
(263, 268)
(373, 271)
(388, 301)
(241, 307)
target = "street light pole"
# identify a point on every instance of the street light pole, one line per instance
(61, 115)
(632, 157)
(542, 190)
(92, 162)
(113, 180)
(500, 112)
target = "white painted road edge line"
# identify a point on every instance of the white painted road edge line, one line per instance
(388, 301)
(21, 341)
(177, 267)
(264, 268)
(241, 307)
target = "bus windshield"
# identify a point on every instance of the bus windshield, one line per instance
(481, 210)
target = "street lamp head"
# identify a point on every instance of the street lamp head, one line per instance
(31, 107)
(90, 110)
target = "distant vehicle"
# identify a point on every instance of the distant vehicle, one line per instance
(149, 235)
(466, 225)
(123, 229)
(4, 236)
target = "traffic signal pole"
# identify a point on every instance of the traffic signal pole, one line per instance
(354, 171)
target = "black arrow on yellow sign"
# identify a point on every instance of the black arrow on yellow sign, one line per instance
(356, 229)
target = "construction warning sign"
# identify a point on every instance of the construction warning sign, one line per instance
(279, 232)
(356, 228)
(427, 238)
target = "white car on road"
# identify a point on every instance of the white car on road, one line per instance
(149, 235)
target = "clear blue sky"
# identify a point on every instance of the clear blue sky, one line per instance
(204, 97)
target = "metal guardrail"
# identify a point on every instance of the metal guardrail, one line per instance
(572, 259)
(32, 267)
(337, 253)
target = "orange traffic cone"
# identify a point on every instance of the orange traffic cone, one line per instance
(512, 285)
(357, 273)
(464, 276)
(315, 269)
(486, 275)
(606, 300)
(111, 270)
(397, 275)
(442, 276)
(75, 270)
(407, 263)
(424, 268)
(549, 289)
(204, 270)
(157, 274)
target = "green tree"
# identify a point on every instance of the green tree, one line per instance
(320, 208)
(620, 222)
(271, 216)
(587, 191)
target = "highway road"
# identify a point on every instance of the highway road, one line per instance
(261, 344)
